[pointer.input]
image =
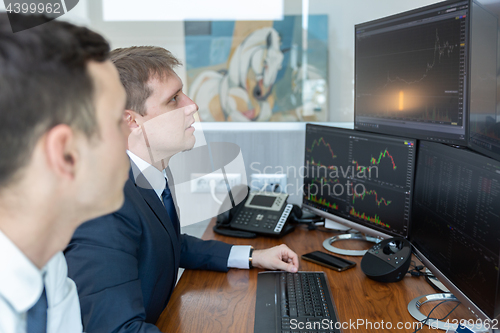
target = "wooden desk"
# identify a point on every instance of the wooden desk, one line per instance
(217, 302)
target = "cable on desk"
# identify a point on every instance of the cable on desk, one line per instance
(434, 308)
(416, 271)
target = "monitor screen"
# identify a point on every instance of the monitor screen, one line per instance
(455, 225)
(413, 72)
(359, 179)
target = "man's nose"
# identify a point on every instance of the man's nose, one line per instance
(191, 110)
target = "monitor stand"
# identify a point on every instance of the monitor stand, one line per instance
(435, 282)
(329, 224)
(327, 244)
(416, 303)
(414, 310)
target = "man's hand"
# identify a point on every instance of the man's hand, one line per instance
(278, 257)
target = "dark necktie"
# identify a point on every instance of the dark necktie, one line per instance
(168, 202)
(37, 316)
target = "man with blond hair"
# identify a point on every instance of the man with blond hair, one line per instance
(125, 264)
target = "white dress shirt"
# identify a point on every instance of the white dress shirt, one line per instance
(239, 254)
(21, 285)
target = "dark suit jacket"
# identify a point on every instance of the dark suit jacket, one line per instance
(125, 264)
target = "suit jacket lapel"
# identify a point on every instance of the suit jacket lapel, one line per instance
(152, 200)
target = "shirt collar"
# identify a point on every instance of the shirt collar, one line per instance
(155, 177)
(21, 282)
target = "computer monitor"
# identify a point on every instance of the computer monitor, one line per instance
(455, 224)
(418, 74)
(359, 179)
(485, 117)
(485, 134)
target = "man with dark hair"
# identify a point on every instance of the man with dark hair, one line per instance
(62, 161)
(125, 264)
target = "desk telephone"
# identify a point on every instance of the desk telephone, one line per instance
(265, 213)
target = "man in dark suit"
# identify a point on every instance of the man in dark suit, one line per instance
(125, 264)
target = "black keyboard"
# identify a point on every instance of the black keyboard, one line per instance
(294, 302)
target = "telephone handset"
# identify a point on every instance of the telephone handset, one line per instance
(265, 213)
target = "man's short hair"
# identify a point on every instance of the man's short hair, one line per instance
(137, 65)
(44, 82)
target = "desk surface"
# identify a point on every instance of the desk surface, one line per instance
(217, 302)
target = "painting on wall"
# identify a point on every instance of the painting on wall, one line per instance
(257, 70)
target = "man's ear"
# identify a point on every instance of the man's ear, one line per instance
(132, 119)
(62, 151)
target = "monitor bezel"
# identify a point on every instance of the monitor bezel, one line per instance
(353, 225)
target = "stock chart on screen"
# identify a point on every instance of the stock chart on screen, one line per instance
(365, 178)
(413, 73)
